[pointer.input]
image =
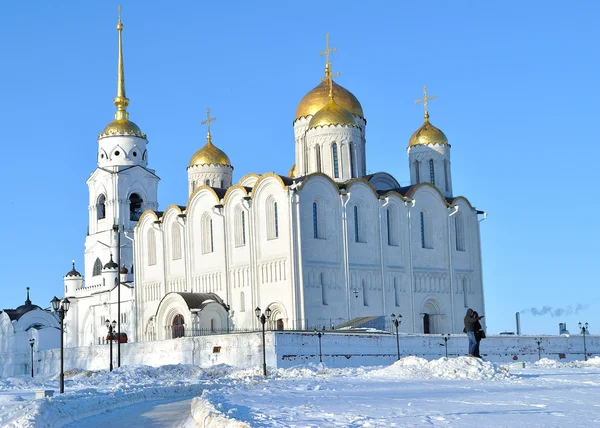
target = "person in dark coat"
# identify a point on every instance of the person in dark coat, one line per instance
(478, 330)
(470, 321)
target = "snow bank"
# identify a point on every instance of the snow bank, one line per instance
(206, 415)
(548, 363)
(444, 368)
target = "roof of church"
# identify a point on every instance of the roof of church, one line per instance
(199, 300)
(15, 314)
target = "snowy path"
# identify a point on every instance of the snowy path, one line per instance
(162, 413)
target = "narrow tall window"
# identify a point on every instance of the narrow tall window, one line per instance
(318, 156)
(207, 182)
(272, 220)
(365, 293)
(243, 227)
(464, 289)
(352, 163)
(431, 172)
(315, 221)
(391, 230)
(212, 239)
(135, 207)
(417, 172)
(207, 234)
(240, 226)
(276, 217)
(176, 241)
(422, 217)
(336, 171)
(242, 302)
(323, 288)
(101, 207)
(396, 292)
(446, 178)
(356, 225)
(97, 268)
(151, 247)
(460, 233)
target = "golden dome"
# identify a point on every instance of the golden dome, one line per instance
(318, 98)
(332, 114)
(292, 171)
(122, 127)
(210, 155)
(427, 134)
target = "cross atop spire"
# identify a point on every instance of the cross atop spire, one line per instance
(424, 101)
(207, 123)
(326, 52)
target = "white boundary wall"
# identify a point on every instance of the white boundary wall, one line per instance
(287, 349)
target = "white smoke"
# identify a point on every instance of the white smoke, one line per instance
(555, 312)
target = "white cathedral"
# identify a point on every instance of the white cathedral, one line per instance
(325, 246)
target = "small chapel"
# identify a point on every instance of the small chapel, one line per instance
(325, 246)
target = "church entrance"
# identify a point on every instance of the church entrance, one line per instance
(178, 327)
(426, 326)
(279, 324)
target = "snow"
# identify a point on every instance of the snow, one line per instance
(458, 391)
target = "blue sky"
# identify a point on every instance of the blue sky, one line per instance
(517, 88)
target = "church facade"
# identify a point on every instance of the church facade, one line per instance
(320, 247)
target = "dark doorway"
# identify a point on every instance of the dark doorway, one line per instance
(178, 327)
(426, 327)
(279, 324)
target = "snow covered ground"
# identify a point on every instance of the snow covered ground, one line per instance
(453, 392)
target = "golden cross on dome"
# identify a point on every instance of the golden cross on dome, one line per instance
(424, 101)
(326, 52)
(208, 120)
(329, 78)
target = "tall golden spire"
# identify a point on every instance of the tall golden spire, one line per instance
(424, 101)
(121, 101)
(207, 123)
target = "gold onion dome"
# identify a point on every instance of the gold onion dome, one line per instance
(318, 98)
(210, 155)
(121, 125)
(427, 134)
(332, 114)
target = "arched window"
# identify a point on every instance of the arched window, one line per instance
(207, 182)
(425, 230)
(315, 221)
(392, 227)
(352, 163)
(151, 247)
(207, 234)
(101, 207)
(240, 226)
(178, 326)
(242, 302)
(358, 226)
(135, 207)
(446, 177)
(272, 218)
(323, 288)
(431, 172)
(318, 157)
(334, 152)
(396, 292)
(417, 172)
(459, 230)
(365, 293)
(97, 268)
(176, 241)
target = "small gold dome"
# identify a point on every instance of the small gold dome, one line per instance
(332, 114)
(210, 155)
(292, 171)
(122, 127)
(318, 98)
(427, 134)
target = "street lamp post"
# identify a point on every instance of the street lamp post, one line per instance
(584, 330)
(319, 335)
(396, 320)
(111, 334)
(62, 308)
(263, 319)
(31, 343)
(446, 337)
(539, 344)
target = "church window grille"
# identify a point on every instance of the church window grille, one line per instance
(315, 221)
(396, 292)
(176, 241)
(352, 163)
(242, 302)
(464, 290)
(207, 234)
(318, 157)
(446, 177)
(323, 288)
(101, 207)
(336, 170)
(431, 172)
(417, 172)
(356, 225)
(459, 231)
(135, 207)
(365, 293)
(151, 247)
(97, 268)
